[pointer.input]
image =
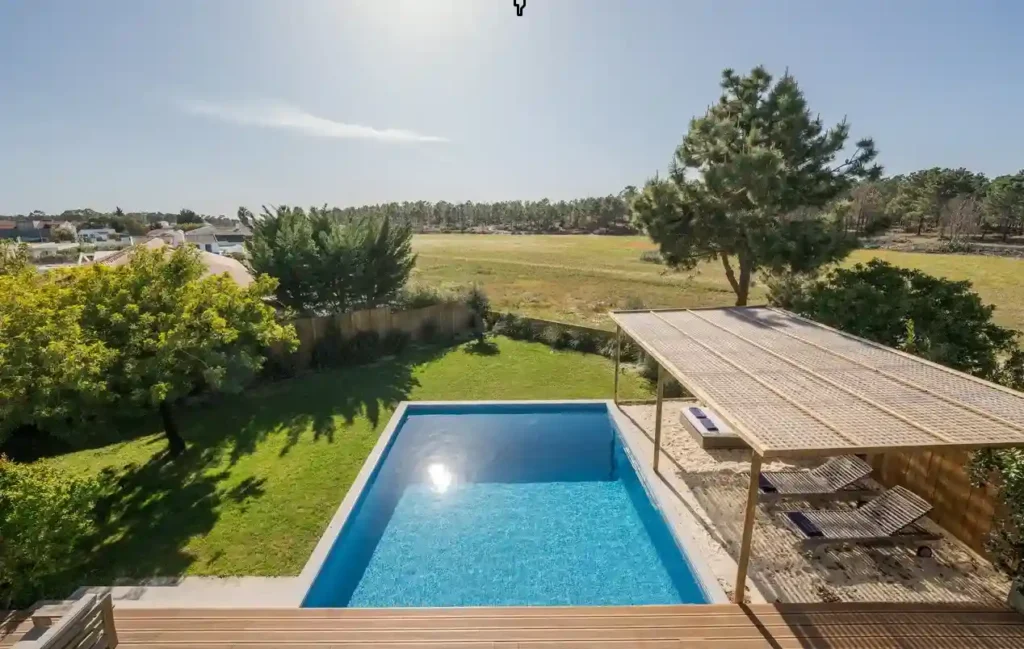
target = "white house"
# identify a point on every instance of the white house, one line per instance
(219, 240)
(92, 235)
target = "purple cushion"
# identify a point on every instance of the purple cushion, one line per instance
(696, 412)
(804, 525)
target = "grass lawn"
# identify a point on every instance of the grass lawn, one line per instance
(265, 471)
(578, 278)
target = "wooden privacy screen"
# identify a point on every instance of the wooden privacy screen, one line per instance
(449, 320)
(941, 478)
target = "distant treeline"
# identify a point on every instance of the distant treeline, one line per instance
(602, 215)
(599, 215)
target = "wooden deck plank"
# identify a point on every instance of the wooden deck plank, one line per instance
(728, 626)
(736, 618)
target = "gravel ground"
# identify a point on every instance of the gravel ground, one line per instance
(714, 483)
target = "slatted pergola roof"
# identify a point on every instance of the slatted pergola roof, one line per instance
(790, 386)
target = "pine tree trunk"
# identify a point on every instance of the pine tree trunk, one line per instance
(744, 283)
(920, 225)
(175, 442)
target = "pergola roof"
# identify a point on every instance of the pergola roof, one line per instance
(790, 386)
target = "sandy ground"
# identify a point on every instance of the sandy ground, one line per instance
(713, 484)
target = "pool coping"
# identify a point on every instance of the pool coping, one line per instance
(628, 432)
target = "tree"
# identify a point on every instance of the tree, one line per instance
(45, 515)
(960, 217)
(879, 301)
(52, 373)
(923, 194)
(740, 181)
(328, 262)
(1004, 203)
(188, 216)
(173, 331)
(14, 257)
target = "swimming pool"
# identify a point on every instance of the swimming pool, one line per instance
(501, 504)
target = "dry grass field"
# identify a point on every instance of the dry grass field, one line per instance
(578, 278)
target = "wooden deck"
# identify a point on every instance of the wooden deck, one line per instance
(725, 626)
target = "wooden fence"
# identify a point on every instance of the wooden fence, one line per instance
(941, 478)
(449, 320)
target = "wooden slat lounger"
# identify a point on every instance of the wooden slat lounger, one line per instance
(887, 520)
(834, 480)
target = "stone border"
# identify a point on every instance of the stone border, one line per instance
(659, 494)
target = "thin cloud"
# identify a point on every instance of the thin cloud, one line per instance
(271, 114)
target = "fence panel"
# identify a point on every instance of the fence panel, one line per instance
(451, 320)
(965, 511)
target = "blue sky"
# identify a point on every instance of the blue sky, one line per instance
(212, 104)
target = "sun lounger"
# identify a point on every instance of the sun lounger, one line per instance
(833, 480)
(887, 520)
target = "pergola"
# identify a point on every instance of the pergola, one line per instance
(792, 387)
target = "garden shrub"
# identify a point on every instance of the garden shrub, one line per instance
(555, 337)
(419, 296)
(479, 305)
(633, 303)
(651, 257)
(361, 348)
(330, 350)
(428, 331)
(583, 341)
(394, 342)
(45, 518)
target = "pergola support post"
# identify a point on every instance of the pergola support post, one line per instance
(618, 354)
(748, 530)
(657, 416)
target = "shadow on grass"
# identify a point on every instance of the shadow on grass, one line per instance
(484, 348)
(150, 511)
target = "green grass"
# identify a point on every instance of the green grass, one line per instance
(579, 278)
(265, 471)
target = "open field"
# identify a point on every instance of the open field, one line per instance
(578, 278)
(266, 470)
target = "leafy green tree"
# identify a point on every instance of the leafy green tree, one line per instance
(52, 372)
(45, 516)
(14, 257)
(923, 194)
(741, 181)
(881, 302)
(188, 216)
(174, 332)
(326, 261)
(1004, 203)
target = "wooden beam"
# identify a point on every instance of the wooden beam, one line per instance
(748, 530)
(657, 415)
(618, 352)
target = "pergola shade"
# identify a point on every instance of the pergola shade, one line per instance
(790, 386)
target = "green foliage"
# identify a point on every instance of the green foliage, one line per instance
(743, 179)
(394, 342)
(512, 326)
(878, 301)
(14, 257)
(1004, 204)
(326, 263)
(428, 331)
(188, 216)
(53, 371)
(921, 196)
(1005, 468)
(418, 296)
(480, 307)
(93, 341)
(45, 515)
(584, 342)
(555, 337)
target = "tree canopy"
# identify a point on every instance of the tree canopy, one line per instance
(84, 344)
(749, 181)
(328, 262)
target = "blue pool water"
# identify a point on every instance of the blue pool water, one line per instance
(500, 505)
